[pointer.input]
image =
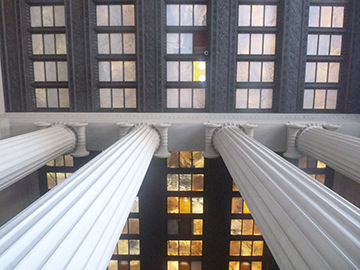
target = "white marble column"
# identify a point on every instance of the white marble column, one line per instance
(305, 224)
(338, 151)
(23, 154)
(76, 225)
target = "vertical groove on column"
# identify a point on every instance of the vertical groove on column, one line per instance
(306, 225)
(338, 151)
(26, 153)
(76, 225)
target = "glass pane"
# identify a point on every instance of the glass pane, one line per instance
(257, 15)
(196, 248)
(245, 265)
(117, 98)
(59, 16)
(246, 247)
(102, 15)
(50, 69)
(130, 98)
(60, 43)
(51, 180)
(135, 207)
(310, 72)
(241, 98)
(173, 205)
(254, 98)
(113, 265)
(248, 225)
(244, 15)
(185, 159)
(321, 165)
(314, 16)
(172, 182)
(130, 71)
(128, 15)
(302, 162)
(197, 182)
(172, 99)
(234, 248)
(115, 15)
(268, 72)
(200, 15)
(256, 230)
(184, 265)
(245, 209)
(185, 182)
(198, 98)
(49, 44)
(324, 44)
(184, 248)
(197, 226)
(234, 265)
(235, 188)
(308, 101)
(185, 226)
(325, 19)
(39, 72)
(269, 43)
(129, 43)
(185, 97)
(335, 48)
(256, 43)
(117, 71)
(134, 247)
(270, 15)
(48, 16)
(258, 248)
(185, 71)
(186, 15)
(123, 247)
(126, 228)
(134, 226)
(197, 205)
(255, 71)
(172, 14)
(320, 99)
(236, 225)
(185, 205)
(334, 72)
(256, 265)
(312, 43)
(242, 71)
(186, 43)
(62, 71)
(236, 205)
(338, 17)
(37, 44)
(105, 98)
(173, 160)
(116, 43)
(40, 98)
(331, 99)
(134, 265)
(243, 43)
(172, 71)
(198, 159)
(103, 43)
(104, 71)
(172, 248)
(35, 16)
(52, 95)
(320, 178)
(172, 43)
(59, 161)
(266, 98)
(199, 71)
(173, 226)
(195, 265)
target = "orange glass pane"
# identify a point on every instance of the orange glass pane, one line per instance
(320, 165)
(248, 225)
(123, 247)
(197, 182)
(320, 178)
(235, 188)
(196, 248)
(184, 248)
(113, 265)
(245, 266)
(185, 205)
(134, 227)
(258, 247)
(246, 209)
(172, 265)
(173, 204)
(172, 248)
(236, 225)
(234, 265)
(125, 229)
(246, 247)
(256, 265)
(235, 248)
(124, 265)
(197, 226)
(185, 159)
(256, 230)
(236, 205)
(185, 266)
(198, 159)
(173, 160)
(134, 265)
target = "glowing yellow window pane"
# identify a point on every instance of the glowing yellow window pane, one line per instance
(236, 225)
(185, 205)
(60, 177)
(172, 182)
(185, 266)
(51, 163)
(236, 205)
(320, 165)
(113, 265)
(234, 265)
(245, 266)
(125, 229)
(246, 247)
(256, 265)
(198, 159)
(173, 248)
(134, 265)
(51, 180)
(173, 204)
(196, 248)
(248, 225)
(69, 161)
(59, 161)
(199, 70)
(134, 226)
(184, 248)
(197, 182)
(173, 160)
(258, 247)
(185, 159)
(235, 248)
(172, 265)
(197, 226)
(320, 178)
(245, 209)
(123, 247)
(256, 230)
(197, 204)
(124, 265)
(235, 188)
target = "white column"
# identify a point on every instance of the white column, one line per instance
(23, 154)
(305, 224)
(76, 225)
(338, 151)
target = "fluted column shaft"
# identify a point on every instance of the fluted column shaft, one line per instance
(76, 225)
(305, 224)
(338, 151)
(24, 154)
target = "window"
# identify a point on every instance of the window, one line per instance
(324, 46)
(256, 56)
(116, 60)
(58, 170)
(186, 50)
(315, 168)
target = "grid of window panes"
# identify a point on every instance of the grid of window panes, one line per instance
(48, 55)
(116, 55)
(185, 186)
(315, 168)
(246, 249)
(58, 170)
(186, 50)
(126, 254)
(324, 46)
(257, 27)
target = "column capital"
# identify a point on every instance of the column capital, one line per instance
(292, 130)
(80, 150)
(331, 127)
(210, 152)
(42, 125)
(162, 151)
(124, 128)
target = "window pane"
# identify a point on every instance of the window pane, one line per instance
(172, 98)
(314, 12)
(40, 98)
(256, 43)
(308, 99)
(172, 71)
(185, 71)
(185, 97)
(254, 98)
(104, 71)
(338, 17)
(234, 248)
(130, 71)
(128, 15)
(172, 248)
(105, 98)
(324, 44)
(241, 98)
(243, 44)
(116, 44)
(268, 72)
(310, 72)
(199, 98)
(185, 182)
(244, 15)
(312, 43)
(172, 182)
(186, 43)
(200, 15)
(185, 205)
(115, 15)
(331, 99)
(62, 71)
(37, 44)
(197, 205)
(255, 71)
(172, 43)
(242, 71)
(270, 15)
(321, 72)
(196, 248)
(334, 72)
(197, 182)
(236, 225)
(35, 16)
(236, 206)
(246, 248)
(117, 98)
(60, 44)
(320, 99)
(266, 98)
(186, 15)
(269, 43)
(52, 95)
(130, 98)
(258, 248)
(48, 16)
(172, 14)
(325, 19)
(184, 248)
(257, 15)
(102, 15)
(50, 69)
(248, 225)
(197, 226)
(173, 226)
(129, 43)
(335, 45)
(173, 205)
(49, 44)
